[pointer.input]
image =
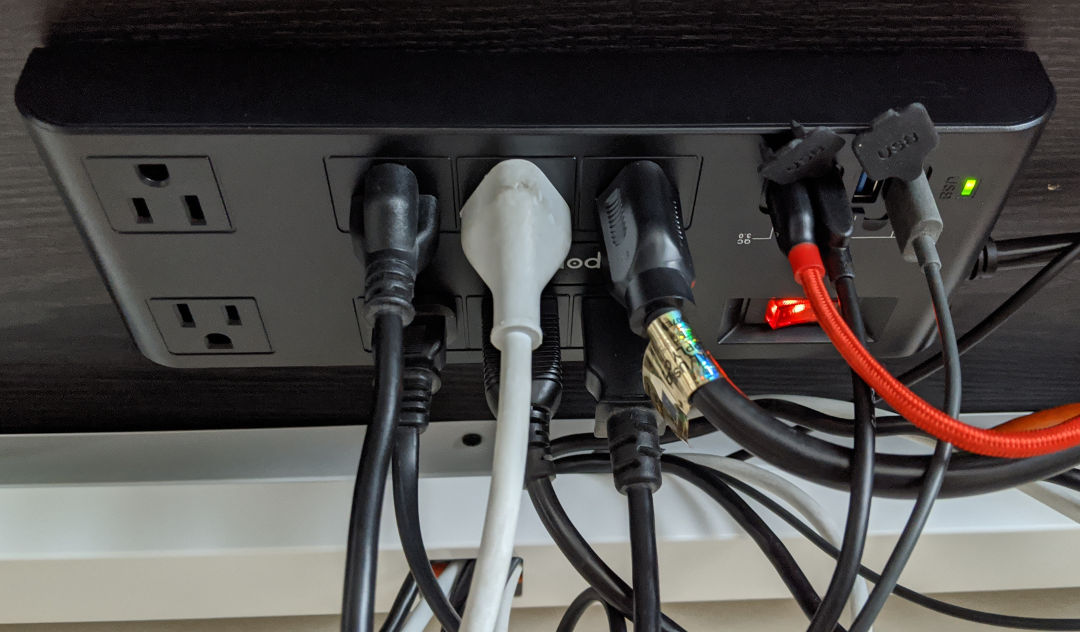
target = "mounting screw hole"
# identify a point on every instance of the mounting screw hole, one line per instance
(218, 341)
(472, 439)
(155, 174)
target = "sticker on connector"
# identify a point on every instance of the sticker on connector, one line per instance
(674, 368)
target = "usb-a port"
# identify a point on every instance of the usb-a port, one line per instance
(867, 190)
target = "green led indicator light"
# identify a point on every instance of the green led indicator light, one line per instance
(969, 187)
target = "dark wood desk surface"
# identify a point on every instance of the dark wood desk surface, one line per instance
(66, 362)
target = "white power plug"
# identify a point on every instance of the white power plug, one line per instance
(515, 230)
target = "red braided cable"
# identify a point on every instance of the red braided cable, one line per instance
(809, 272)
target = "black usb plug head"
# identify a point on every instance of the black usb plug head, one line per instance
(792, 214)
(810, 154)
(834, 222)
(895, 148)
(394, 231)
(647, 255)
(789, 170)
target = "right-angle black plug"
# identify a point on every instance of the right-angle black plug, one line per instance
(647, 255)
(613, 357)
(424, 350)
(546, 383)
(394, 231)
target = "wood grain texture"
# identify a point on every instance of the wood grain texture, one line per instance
(66, 362)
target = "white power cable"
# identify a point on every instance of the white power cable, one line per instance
(515, 231)
(502, 624)
(794, 496)
(422, 615)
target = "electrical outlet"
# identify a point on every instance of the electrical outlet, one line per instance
(210, 325)
(159, 195)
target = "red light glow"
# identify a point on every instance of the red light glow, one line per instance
(785, 312)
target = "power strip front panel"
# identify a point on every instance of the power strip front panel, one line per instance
(215, 198)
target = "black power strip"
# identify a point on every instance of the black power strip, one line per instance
(215, 193)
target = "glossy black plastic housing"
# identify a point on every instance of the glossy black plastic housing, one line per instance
(275, 142)
(648, 259)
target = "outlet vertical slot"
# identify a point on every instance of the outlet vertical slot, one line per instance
(142, 211)
(232, 316)
(194, 210)
(186, 318)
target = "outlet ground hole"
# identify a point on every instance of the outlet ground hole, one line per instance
(218, 341)
(155, 174)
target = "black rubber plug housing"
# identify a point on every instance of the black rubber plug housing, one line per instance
(647, 255)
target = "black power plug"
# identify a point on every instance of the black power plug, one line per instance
(648, 258)
(395, 233)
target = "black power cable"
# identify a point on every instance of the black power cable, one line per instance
(939, 463)
(782, 409)
(459, 590)
(1068, 480)
(613, 360)
(829, 464)
(425, 357)
(644, 559)
(405, 466)
(403, 602)
(771, 545)
(763, 536)
(835, 226)
(611, 588)
(1016, 254)
(997, 318)
(394, 231)
(799, 415)
(358, 609)
(862, 478)
(581, 603)
(598, 464)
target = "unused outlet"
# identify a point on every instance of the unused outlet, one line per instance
(159, 195)
(210, 325)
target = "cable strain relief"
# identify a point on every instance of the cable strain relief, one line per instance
(926, 252)
(418, 386)
(634, 447)
(655, 292)
(388, 286)
(803, 257)
(540, 464)
(838, 263)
